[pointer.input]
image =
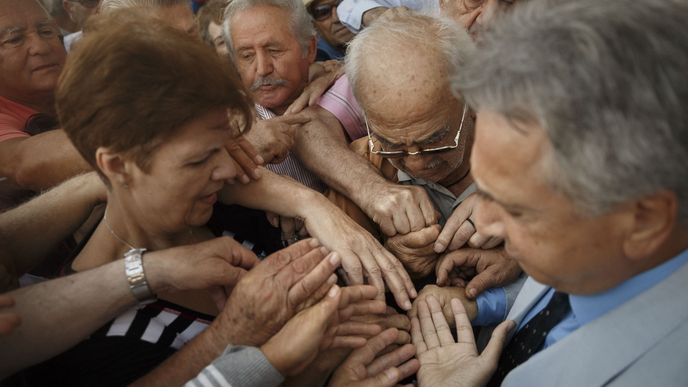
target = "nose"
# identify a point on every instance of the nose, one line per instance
(263, 64)
(37, 45)
(487, 218)
(225, 168)
(415, 163)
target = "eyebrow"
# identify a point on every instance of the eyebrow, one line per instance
(481, 192)
(428, 139)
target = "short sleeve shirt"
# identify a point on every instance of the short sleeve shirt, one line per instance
(13, 117)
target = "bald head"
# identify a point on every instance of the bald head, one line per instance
(402, 61)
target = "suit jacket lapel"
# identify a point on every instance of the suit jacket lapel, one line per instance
(597, 352)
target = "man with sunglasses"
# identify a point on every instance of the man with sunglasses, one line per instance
(79, 11)
(332, 34)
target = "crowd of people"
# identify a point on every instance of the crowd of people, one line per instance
(343, 193)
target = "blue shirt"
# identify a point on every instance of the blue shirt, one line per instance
(326, 51)
(584, 309)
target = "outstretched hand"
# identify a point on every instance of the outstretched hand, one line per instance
(444, 361)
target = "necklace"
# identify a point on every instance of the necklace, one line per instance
(114, 234)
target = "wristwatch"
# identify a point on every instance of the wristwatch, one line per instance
(133, 268)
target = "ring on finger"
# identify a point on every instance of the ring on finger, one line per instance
(469, 220)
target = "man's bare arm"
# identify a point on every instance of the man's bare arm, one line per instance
(31, 231)
(323, 149)
(41, 161)
(47, 309)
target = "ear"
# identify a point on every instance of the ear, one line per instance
(654, 220)
(312, 50)
(67, 5)
(114, 166)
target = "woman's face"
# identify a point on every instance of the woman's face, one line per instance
(186, 173)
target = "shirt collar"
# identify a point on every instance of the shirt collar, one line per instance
(589, 308)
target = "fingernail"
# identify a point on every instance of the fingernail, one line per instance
(439, 247)
(414, 293)
(407, 305)
(244, 179)
(334, 258)
(472, 292)
(334, 290)
(259, 160)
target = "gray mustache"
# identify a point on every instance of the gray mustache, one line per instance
(267, 82)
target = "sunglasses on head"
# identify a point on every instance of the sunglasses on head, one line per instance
(322, 12)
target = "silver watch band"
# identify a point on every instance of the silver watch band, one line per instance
(133, 268)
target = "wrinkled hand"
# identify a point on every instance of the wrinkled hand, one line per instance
(271, 293)
(9, 320)
(323, 327)
(246, 157)
(274, 138)
(292, 229)
(485, 269)
(322, 76)
(389, 319)
(415, 250)
(444, 362)
(444, 295)
(366, 368)
(218, 262)
(359, 251)
(399, 209)
(460, 230)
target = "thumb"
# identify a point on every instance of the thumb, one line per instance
(494, 348)
(421, 238)
(324, 310)
(481, 282)
(447, 263)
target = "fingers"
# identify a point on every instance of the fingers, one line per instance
(397, 279)
(447, 264)
(362, 308)
(492, 243)
(417, 336)
(357, 329)
(366, 354)
(298, 105)
(428, 209)
(478, 240)
(314, 279)
(392, 359)
(427, 326)
(353, 294)
(441, 326)
(488, 279)
(422, 238)
(284, 257)
(402, 223)
(246, 156)
(452, 227)
(494, 347)
(464, 331)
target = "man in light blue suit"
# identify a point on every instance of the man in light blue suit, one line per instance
(581, 159)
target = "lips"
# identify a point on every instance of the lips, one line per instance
(50, 66)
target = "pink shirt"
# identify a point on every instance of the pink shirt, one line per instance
(339, 100)
(13, 117)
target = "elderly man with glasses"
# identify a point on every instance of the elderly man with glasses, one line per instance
(420, 134)
(332, 34)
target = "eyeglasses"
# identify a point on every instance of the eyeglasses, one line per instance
(403, 153)
(322, 12)
(16, 36)
(87, 3)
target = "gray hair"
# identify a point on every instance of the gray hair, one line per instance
(408, 32)
(300, 21)
(607, 82)
(107, 6)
